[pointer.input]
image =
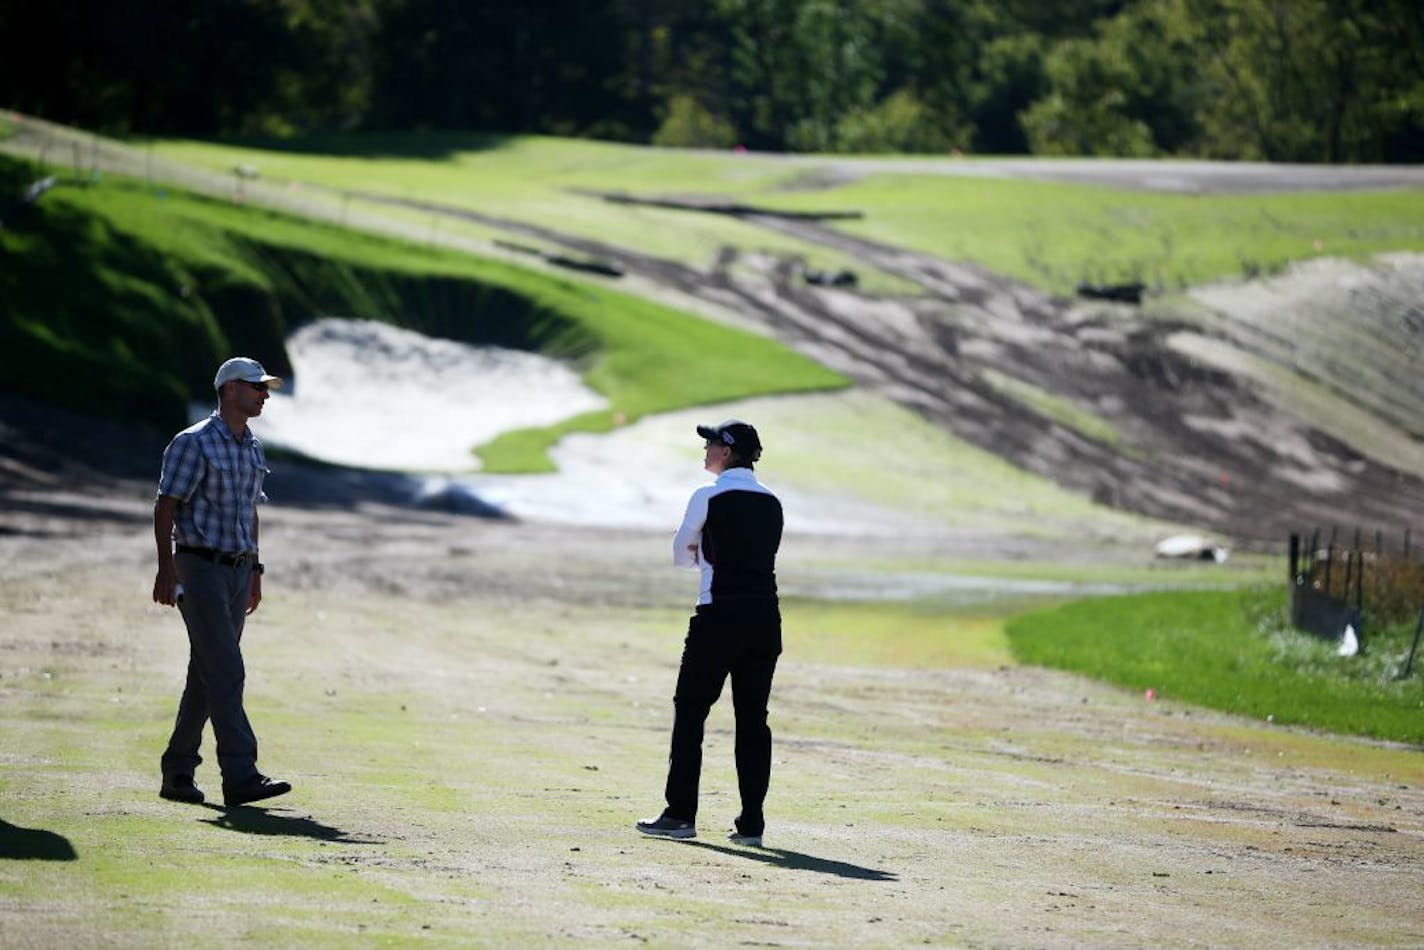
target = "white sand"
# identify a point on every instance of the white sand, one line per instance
(371, 395)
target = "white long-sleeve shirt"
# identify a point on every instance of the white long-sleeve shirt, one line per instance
(731, 532)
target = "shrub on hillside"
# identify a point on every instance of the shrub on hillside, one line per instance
(898, 123)
(689, 124)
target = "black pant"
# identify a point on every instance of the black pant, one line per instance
(742, 640)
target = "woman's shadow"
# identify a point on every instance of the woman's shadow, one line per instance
(259, 821)
(795, 860)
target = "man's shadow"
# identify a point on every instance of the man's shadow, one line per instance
(259, 821)
(796, 861)
(33, 844)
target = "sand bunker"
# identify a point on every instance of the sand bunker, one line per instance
(375, 396)
(369, 395)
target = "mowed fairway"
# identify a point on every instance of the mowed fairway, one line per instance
(474, 714)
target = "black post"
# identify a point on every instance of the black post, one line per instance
(1329, 563)
(1409, 663)
(1294, 557)
(1349, 569)
(1360, 584)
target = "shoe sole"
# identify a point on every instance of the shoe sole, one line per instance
(262, 797)
(679, 833)
(197, 799)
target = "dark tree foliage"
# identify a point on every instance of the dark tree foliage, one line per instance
(1298, 80)
(191, 67)
(560, 66)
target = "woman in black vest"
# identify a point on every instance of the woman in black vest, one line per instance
(731, 532)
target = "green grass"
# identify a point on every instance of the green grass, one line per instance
(1233, 651)
(1055, 235)
(541, 181)
(173, 282)
(1049, 234)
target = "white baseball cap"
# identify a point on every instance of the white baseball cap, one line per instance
(244, 368)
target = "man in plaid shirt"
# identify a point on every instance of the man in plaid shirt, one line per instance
(205, 526)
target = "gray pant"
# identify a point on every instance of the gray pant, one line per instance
(214, 607)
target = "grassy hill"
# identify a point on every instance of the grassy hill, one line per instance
(1301, 347)
(1049, 234)
(120, 299)
(1194, 407)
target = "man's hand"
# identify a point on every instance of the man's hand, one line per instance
(254, 592)
(165, 585)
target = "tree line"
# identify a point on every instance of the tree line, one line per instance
(1278, 80)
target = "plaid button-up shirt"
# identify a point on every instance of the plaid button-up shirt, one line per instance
(218, 479)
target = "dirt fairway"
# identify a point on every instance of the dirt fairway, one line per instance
(475, 712)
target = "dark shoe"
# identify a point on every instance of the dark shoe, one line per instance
(254, 789)
(743, 834)
(180, 788)
(666, 827)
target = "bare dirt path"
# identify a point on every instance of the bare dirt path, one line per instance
(1189, 177)
(475, 711)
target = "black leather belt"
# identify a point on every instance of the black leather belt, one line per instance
(217, 557)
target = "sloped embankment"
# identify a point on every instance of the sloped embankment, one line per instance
(1120, 403)
(120, 304)
(1109, 400)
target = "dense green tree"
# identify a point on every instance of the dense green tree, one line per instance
(898, 123)
(1303, 80)
(1312, 80)
(689, 124)
(1129, 90)
(938, 57)
(188, 66)
(559, 66)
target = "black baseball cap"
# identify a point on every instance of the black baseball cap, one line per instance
(739, 435)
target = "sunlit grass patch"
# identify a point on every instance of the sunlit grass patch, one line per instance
(552, 183)
(1055, 235)
(1230, 650)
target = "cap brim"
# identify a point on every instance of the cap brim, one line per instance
(707, 432)
(273, 382)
